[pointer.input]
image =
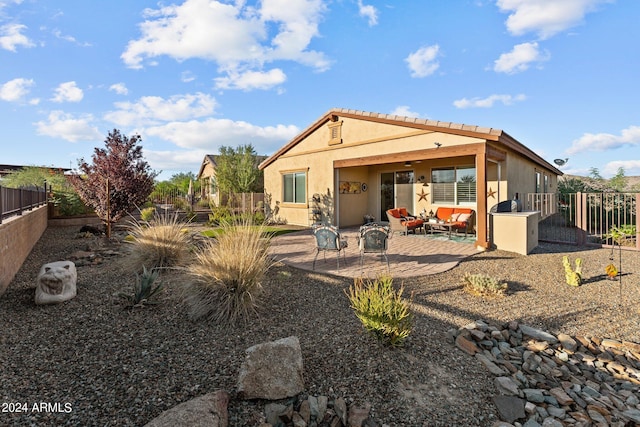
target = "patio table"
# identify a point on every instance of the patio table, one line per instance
(439, 227)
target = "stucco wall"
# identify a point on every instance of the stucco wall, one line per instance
(18, 235)
(519, 173)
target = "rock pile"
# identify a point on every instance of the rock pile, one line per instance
(547, 380)
(317, 411)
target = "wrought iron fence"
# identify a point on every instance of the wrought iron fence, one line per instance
(180, 200)
(14, 201)
(587, 218)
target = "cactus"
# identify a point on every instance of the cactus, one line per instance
(483, 285)
(573, 277)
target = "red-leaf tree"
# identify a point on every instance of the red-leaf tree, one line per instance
(118, 180)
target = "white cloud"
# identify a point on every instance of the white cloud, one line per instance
(68, 127)
(606, 141)
(15, 90)
(187, 76)
(119, 88)
(489, 101)
(212, 133)
(423, 62)
(152, 110)
(545, 17)
(238, 37)
(520, 58)
(11, 37)
(631, 167)
(369, 12)
(404, 110)
(175, 160)
(252, 80)
(68, 92)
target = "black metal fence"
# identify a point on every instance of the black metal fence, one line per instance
(587, 218)
(14, 201)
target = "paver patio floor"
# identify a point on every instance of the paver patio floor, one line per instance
(409, 256)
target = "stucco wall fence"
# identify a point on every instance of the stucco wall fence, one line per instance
(18, 235)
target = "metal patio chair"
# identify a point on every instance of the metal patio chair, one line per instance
(373, 238)
(329, 239)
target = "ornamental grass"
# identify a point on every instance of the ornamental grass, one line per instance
(227, 274)
(160, 243)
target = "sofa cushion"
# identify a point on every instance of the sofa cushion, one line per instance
(403, 212)
(394, 213)
(444, 213)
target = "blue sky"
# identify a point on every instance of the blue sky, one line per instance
(561, 76)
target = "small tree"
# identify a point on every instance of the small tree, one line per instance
(237, 170)
(117, 181)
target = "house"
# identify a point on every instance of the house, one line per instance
(351, 163)
(206, 176)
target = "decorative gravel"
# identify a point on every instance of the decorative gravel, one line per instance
(93, 362)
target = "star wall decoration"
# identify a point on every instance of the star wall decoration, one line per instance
(491, 193)
(422, 195)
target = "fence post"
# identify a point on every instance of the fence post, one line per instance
(581, 218)
(637, 222)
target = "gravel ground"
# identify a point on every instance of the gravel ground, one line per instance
(99, 364)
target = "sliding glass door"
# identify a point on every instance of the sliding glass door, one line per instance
(396, 190)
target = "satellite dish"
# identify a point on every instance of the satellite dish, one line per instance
(560, 162)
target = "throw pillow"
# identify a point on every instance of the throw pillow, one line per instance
(464, 217)
(454, 217)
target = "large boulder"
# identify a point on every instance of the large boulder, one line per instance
(210, 410)
(56, 282)
(272, 370)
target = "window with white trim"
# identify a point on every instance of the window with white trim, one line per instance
(454, 185)
(294, 187)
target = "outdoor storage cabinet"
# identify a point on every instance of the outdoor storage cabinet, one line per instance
(514, 231)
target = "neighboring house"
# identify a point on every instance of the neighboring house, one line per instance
(206, 176)
(351, 163)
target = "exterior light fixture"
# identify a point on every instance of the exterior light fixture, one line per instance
(437, 144)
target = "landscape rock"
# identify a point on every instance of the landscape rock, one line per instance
(549, 381)
(510, 408)
(272, 370)
(56, 282)
(210, 410)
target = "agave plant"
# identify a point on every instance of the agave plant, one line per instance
(144, 291)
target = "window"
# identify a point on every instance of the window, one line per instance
(538, 184)
(456, 185)
(294, 187)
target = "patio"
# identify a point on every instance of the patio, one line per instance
(409, 256)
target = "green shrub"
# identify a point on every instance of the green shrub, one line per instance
(227, 275)
(144, 292)
(164, 242)
(381, 309)
(484, 285)
(573, 277)
(147, 214)
(220, 215)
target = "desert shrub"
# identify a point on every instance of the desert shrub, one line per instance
(144, 291)
(147, 214)
(163, 242)
(381, 309)
(220, 215)
(484, 285)
(227, 274)
(573, 277)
